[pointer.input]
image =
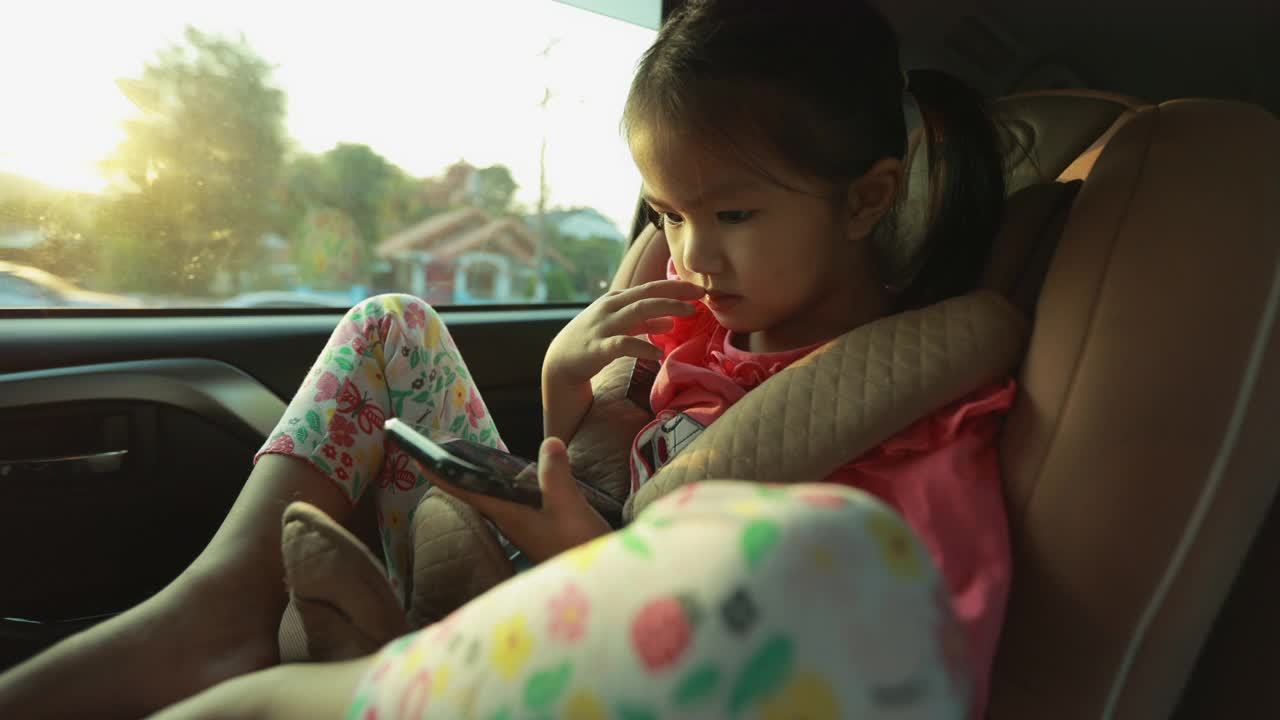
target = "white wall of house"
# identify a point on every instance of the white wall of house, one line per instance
(418, 278)
(480, 262)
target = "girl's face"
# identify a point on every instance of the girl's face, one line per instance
(779, 266)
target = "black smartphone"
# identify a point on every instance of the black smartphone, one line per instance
(487, 471)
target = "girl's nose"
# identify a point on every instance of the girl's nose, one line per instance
(702, 253)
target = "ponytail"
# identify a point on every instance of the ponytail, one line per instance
(966, 177)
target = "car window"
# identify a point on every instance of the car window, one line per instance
(16, 292)
(247, 154)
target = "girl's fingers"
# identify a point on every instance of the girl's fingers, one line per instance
(669, 289)
(637, 313)
(554, 474)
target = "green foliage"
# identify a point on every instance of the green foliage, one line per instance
(350, 178)
(363, 178)
(201, 161)
(403, 203)
(375, 194)
(560, 285)
(494, 189)
(595, 260)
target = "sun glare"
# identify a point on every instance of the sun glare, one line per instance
(422, 83)
(58, 153)
(62, 111)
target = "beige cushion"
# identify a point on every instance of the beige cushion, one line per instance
(850, 395)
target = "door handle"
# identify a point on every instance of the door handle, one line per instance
(88, 463)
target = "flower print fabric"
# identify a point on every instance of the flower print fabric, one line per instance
(390, 356)
(633, 625)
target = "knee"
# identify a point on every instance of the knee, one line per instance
(399, 319)
(402, 304)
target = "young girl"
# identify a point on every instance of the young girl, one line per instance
(770, 138)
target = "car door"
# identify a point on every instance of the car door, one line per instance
(467, 153)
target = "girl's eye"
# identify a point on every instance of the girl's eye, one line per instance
(733, 217)
(663, 219)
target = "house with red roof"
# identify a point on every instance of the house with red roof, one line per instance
(467, 256)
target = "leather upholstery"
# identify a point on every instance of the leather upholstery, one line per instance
(1045, 132)
(456, 557)
(1235, 675)
(1139, 458)
(1024, 247)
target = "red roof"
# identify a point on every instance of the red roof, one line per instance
(454, 233)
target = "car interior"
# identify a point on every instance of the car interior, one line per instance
(1141, 238)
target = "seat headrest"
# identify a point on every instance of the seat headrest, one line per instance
(1046, 132)
(1043, 134)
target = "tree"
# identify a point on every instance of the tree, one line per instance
(494, 189)
(595, 260)
(375, 194)
(361, 179)
(404, 202)
(560, 286)
(198, 165)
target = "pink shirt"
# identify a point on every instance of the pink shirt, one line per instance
(942, 473)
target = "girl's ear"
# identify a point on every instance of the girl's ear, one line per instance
(871, 196)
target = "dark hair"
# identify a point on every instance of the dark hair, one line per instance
(820, 82)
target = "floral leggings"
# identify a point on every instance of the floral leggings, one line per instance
(802, 601)
(390, 356)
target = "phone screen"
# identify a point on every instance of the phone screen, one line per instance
(503, 465)
(488, 471)
(523, 475)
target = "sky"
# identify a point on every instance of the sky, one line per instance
(423, 82)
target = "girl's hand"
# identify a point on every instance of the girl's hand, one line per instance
(606, 330)
(565, 521)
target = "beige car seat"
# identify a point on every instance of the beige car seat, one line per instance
(1140, 459)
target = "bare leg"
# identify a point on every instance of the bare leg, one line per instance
(218, 619)
(289, 692)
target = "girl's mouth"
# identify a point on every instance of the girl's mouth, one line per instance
(721, 302)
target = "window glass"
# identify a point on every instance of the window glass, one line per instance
(248, 154)
(16, 292)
